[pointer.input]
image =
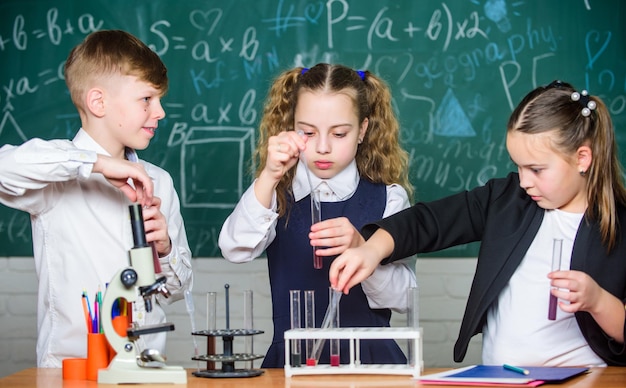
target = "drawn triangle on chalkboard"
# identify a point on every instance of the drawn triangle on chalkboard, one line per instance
(451, 118)
(7, 137)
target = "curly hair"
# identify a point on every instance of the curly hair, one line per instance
(379, 158)
(552, 108)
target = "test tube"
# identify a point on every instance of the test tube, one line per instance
(191, 309)
(557, 246)
(316, 216)
(332, 313)
(248, 324)
(412, 319)
(334, 323)
(294, 297)
(309, 323)
(211, 325)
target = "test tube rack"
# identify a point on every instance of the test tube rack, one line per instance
(228, 357)
(354, 335)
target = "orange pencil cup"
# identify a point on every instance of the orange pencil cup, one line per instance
(75, 369)
(97, 354)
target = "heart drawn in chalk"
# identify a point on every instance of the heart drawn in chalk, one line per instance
(205, 20)
(313, 12)
(594, 39)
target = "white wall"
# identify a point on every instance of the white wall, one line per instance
(443, 283)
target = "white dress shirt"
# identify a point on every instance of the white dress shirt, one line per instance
(81, 237)
(251, 228)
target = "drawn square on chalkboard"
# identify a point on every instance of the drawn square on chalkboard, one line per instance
(214, 163)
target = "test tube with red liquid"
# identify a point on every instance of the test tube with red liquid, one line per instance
(334, 323)
(316, 216)
(309, 323)
(556, 265)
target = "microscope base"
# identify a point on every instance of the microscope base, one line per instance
(125, 371)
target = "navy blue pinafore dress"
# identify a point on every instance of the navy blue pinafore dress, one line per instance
(290, 262)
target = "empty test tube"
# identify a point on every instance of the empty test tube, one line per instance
(556, 265)
(191, 309)
(294, 297)
(309, 323)
(248, 324)
(412, 320)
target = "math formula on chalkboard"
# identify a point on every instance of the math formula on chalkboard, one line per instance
(456, 70)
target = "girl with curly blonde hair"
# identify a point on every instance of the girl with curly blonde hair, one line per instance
(328, 131)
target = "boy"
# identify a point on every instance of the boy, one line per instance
(78, 192)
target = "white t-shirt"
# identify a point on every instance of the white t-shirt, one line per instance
(518, 330)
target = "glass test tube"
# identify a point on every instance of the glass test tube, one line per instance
(211, 325)
(316, 216)
(294, 297)
(556, 265)
(191, 310)
(334, 323)
(412, 320)
(248, 324)
(309, 323)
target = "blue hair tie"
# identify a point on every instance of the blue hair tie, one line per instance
(304, 70)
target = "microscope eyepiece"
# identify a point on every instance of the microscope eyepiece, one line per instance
(136, 223)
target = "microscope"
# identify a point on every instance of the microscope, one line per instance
(130, 365)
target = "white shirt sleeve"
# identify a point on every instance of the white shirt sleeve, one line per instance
(249, 229)
(37, 163)
(387, 287)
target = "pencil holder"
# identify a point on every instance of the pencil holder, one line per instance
(75, 369)
(97, 354)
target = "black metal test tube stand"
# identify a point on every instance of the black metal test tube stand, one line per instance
(227, 358)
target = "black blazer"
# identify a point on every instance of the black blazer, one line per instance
(505, 219)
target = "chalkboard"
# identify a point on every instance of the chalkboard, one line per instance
(456, 70)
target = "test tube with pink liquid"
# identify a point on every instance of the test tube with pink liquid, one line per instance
(557, 247)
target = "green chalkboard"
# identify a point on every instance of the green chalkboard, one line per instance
(456, 69)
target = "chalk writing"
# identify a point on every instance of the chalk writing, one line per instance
(456, 70)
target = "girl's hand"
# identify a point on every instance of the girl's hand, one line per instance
(155, 225)
(334, 236)
(352, 267)
(584, 293)
(282, 153)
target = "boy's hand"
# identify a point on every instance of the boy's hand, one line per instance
(118, 171)
(155, 225)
